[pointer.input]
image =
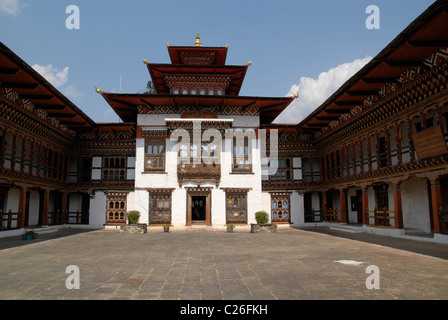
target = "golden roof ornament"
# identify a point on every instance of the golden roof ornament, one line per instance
(98, 90)
(198, 41)
(296, 95)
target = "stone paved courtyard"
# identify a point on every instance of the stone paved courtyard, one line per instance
(214, 265)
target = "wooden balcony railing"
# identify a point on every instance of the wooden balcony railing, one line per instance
(333, 215)
(199, 172)
(381, 218)
(9, 220)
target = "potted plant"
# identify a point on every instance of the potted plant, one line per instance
(230, 227)
(262, 224)
(132, 225)
(29, 235)
(133, 217)
(166, 227)
(261, 217)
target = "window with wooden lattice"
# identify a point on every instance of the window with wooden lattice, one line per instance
(280, 207)
(114, 168)
(241, 155)
(236, 207)
(154, 155)
(116, 208)
(160, 207)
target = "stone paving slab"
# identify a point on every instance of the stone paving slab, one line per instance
(291, 264)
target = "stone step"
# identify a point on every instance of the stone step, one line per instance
(44, 230)
(347, 228)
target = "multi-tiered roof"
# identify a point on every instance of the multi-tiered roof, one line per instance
(197, 79)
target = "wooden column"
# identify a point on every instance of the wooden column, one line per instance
(64, 195)
(22, 207)
(436, 202)
(365, 205)
(398, 206)
(45, 207)
(343, 205)
(324, 205)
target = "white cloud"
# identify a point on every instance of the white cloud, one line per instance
(313, 92)
(72, 92)
(53, 75)
(59, 78)
(10, 7)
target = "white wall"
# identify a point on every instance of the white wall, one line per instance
(97, 217)
(415, 202)
(33, 212)
(296, 209)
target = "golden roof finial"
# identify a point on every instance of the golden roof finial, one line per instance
(198, 41)
(98, 90)
(296, 95)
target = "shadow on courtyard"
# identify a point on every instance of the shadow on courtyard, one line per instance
(16, 241)
(422, 247)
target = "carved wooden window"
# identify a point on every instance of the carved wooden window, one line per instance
(155, 155)
(236, 207)
(160, 208)
(241, 162)
(18, 153)
(42, 161)
(8, 148)
(209, 153)
(116, 208)
(280, 207)
(114, 169)
(382, 152)
(284, 170)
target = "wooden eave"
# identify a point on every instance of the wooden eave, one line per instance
(30, 85)
(126, 105)
(423, 37)
(157, 72)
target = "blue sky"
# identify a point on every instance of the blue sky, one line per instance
(310, 46)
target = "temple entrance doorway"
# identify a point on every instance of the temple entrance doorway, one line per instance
(198, 206)
(198, 209)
